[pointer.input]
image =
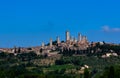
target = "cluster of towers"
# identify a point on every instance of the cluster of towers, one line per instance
(69, 38)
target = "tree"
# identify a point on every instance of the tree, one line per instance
(62, 41)
(19, 50)
(29, 48)
(86, 73)
(15, 50)
(54, 42)
(111, 72)
(3, 55)
(104, 42)
(41, 50)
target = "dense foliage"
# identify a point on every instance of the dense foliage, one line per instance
(30, 65)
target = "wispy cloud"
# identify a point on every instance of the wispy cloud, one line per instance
(106, 28)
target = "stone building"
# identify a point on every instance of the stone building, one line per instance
(51, 42)
(67, 36)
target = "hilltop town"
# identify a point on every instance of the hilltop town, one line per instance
(70, 43)
(71, 58)
(79, 45)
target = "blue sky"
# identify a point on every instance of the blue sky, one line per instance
(30, 22)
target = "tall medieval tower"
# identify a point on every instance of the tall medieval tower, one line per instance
(51, 42)
(67, 36)
(58, 40)
(79, 37)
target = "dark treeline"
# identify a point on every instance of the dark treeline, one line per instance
(97, 50)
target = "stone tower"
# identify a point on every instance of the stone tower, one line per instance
(50, 42)
(58, 40)
(67, 36)
(74, 39)
(43, 44)
(79, 37)
(71, 39)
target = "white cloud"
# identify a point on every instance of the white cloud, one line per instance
(106, 28)
(116, 29)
